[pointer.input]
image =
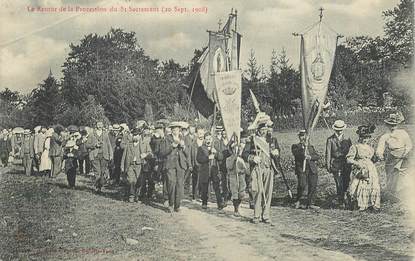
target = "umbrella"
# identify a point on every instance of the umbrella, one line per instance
(18, 130)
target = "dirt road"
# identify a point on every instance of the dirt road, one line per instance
(42, 219)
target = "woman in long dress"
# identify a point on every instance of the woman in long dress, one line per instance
(45, 161)
(364, 188)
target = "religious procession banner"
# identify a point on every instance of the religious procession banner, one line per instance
(317, 52)
(228, 85)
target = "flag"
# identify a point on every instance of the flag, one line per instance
(235, 51)
(317, 54)
(217, 57)
(228, 85)
(198, 95)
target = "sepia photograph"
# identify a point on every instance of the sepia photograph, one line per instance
(207, 130)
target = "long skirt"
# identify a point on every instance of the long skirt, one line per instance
(365, 192)
(45, 161)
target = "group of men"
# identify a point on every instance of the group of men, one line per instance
(188, 160)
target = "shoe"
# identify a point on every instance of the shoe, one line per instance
(255, 220)
(170, 209)
(222, 206)
(177, 210)
(251, 206)
(236, 214)
(204, 206)
(297, 205)
(313, 207)
(266, 221)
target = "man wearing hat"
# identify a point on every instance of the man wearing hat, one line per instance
(116, 137)
(337, 147)
(176, 163)
(159, 171)
(147, 181)
(5, 148)
(27, 152)
(309, 177)
(131, 163)
(100, 149)
(257, 152)
(71, 162)
(220, 143)
(189, 141)
(394, 147)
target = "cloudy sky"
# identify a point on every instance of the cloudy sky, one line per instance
(33, 42)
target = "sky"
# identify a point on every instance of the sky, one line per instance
(33, 42)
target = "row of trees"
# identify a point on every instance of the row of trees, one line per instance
(111, 78)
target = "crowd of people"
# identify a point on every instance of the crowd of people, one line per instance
(189, 160)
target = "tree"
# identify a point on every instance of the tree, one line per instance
(45, 101)
(284, 83)
(399, 32)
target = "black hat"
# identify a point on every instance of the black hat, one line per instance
(365, 131)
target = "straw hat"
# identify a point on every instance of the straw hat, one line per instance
(339, 125)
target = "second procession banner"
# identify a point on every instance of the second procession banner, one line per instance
(228, 88)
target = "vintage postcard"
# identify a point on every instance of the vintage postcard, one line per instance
(207, 130)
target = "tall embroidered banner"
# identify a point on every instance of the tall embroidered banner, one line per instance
(317, 54)
(228, 86)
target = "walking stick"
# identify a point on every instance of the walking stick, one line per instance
(290, 194)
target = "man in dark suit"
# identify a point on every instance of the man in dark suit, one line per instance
(220, 143)
(100, 149)
(309, 177)
(176, 163)
(337, 147)
(159, 170)
(27, 152)
(131, 164)
(207, 157)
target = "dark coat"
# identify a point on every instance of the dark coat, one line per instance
(220, 146)
(206, 167)
(5, 146)
(93, 143)
(336, 151)
(82, 150)
(71, 162)
(128, 156)
(175, 158)
(298, 152)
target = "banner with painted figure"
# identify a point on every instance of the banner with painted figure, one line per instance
(228, 85)
(317, 52)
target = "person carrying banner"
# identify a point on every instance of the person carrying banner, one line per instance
(257, 152)
(308, 178)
